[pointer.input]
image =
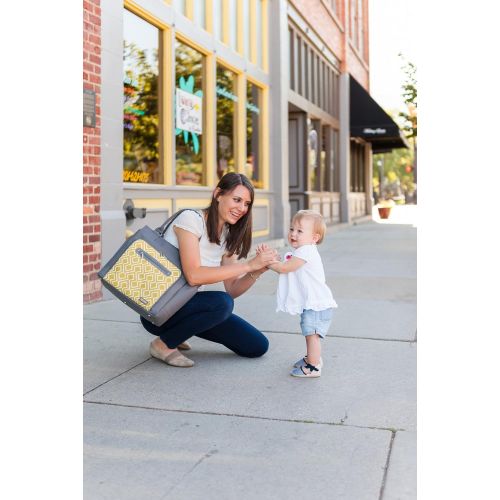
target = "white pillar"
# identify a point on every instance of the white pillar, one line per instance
(344, 149)
(278, 116)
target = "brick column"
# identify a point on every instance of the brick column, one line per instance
(92, 154)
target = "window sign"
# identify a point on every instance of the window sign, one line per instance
(188, 113)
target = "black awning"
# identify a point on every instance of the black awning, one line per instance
(371, 123)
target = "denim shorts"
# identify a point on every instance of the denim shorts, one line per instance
(312, 322)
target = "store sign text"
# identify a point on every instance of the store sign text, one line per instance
(253, 108)
(188, 112)
(374, 131)
(224, 92)
(130, 176)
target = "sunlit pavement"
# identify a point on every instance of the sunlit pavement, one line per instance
(400, 214)
(154, 431)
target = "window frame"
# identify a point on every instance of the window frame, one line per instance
(166, 101)
(238, 76)
(164, 108)
(263, 130)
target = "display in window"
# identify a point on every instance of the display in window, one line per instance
(141, 119)
(188, 112)
(313, 155)
(189, 115)
(253, 161)
(226, 126)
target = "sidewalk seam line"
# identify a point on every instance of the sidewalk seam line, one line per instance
(345, 337)
(386, 468)
(389, 429)
(285, 333)
(116, 376)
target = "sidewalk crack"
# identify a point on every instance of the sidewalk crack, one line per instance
(116, 376)
(204, 457)
(341, 423)
(386, 468)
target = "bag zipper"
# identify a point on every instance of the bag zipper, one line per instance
(141, 253)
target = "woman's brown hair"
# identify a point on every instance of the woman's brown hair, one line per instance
(239, 235)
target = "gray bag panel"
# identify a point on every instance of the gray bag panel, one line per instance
(176, 296)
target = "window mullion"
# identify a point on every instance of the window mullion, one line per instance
(167, 75)
(209, 134)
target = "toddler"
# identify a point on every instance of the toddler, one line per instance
(302, 288)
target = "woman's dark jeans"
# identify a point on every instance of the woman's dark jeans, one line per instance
(209, 315)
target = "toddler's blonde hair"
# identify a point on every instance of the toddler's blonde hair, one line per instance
(319, 223)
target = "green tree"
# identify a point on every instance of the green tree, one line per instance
(399, 167)
(141, 118)
(397, 175)
(409, 117)
(409, 88)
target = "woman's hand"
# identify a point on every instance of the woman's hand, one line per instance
(264, 258)
(262, 248)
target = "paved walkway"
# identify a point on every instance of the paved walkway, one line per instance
(233, 428)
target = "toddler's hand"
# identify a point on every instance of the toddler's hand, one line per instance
(264, 259)
(261, 248)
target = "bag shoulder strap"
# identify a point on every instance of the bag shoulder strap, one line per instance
(163, 228)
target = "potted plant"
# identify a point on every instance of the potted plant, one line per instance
(384, 208)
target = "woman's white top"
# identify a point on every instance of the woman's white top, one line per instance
(194, 222)
(304, 288)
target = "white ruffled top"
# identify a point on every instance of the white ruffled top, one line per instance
(306, 287)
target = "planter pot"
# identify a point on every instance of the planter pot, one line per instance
(384, 212)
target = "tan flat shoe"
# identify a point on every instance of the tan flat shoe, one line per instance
(184, 346)
(175, 358)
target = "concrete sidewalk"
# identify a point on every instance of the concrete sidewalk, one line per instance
(243, 428)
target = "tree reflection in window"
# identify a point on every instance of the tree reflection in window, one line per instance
(141, 151)
(188, 145)
(253, 164)
(226, 102)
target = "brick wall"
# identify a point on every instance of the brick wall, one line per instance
(317, 15)
(92, 154)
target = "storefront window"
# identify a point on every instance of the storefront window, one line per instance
(199, 13)
(253, 168)
(226, 124)
(246, 29)
(328, 158)
(258, 34)
(313, 149)
(335, 158)
(217, 19)
(325, 158)
(189, 120)
(233, 23)
(141, 120)
(179, 5)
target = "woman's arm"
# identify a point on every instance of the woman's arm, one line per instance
(239, 285)
(196, 274)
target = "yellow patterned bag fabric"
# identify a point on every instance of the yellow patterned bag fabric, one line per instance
(143, 274)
